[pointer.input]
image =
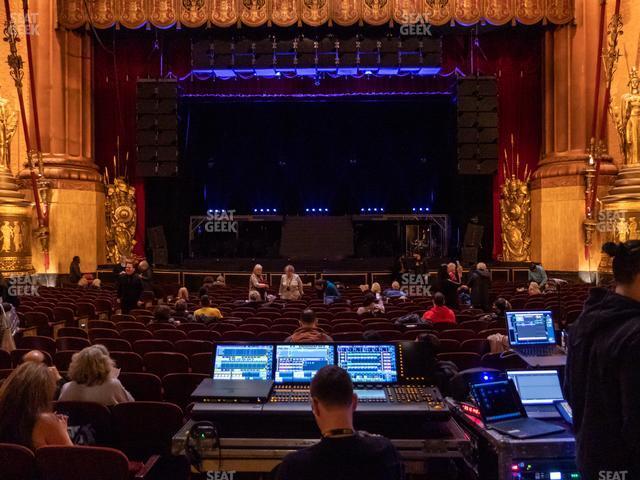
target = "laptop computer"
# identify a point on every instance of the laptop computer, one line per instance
(502, 410)
(532, 336)
(539, 391)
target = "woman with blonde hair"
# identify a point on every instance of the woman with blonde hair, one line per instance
(257, 282)
(26, 416)
(183, 294)
(290, 284)
(94, 378)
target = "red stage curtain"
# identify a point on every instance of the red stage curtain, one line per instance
(515, 56)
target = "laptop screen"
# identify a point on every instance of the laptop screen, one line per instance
(369, 363)
(531, 328)
(299, 363)
(537, 386)
(243, 362)
(497, 400)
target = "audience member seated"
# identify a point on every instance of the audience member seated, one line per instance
(376, 289)
(206, 313)
(480, 283)
(439, 313)
(94, 378)
(183, 294)
(534, 289)
(36, 356)
(537, 274)
(464, 299)
(441, 371)
(372, 336)
(499, 313)
(180, 312)
(370, 305)
(220, 281)
(290, 284)
(162, 314)
(343, 452)
(26, 417)
(394, 291)
(207, 283)
(308, 332)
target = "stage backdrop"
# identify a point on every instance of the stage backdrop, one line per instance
(514, 55)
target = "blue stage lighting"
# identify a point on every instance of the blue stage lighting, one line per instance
(313, 209)
(427, 209)
(382, 209)
(413, 209)
(275, 210)
(326, 209)
(306, 210)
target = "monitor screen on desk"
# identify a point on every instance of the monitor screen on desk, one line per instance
(531, 328)
(243, 362)
(375, 363)
(299, 363)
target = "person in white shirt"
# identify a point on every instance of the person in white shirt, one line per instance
(94, 378)
(290, 284)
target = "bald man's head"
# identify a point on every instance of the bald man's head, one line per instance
(35, 356)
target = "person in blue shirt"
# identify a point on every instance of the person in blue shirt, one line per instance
(537, 274)
(326, 290)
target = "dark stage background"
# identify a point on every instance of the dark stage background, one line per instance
(513, 55)
(342, 155)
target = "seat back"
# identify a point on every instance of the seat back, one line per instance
(80, 463)
(89, 423)
(146, 428)
(162, 363)
(128, 361)
(178, 387)
(16, 462)
(144, 387)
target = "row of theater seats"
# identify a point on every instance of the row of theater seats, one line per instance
(129, 440)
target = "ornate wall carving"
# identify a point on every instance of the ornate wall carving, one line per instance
(254, 13)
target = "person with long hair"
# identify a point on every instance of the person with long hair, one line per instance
(258, 283)
(26, 416)
(602, 384)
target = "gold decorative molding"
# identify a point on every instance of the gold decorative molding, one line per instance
(73, 14)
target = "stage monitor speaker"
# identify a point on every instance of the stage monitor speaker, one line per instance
(157, 128)
(477, 125)
(158, 245)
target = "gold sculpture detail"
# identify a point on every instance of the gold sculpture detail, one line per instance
(515, 211)
(15, 211)
(121, 219)
(628, 121)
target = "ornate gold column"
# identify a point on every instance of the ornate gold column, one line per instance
(15, 211)
(63, 67)
(558, 186)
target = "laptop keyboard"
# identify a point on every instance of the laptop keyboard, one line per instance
(539, 351)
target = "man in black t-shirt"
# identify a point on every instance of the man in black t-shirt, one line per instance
(343, 453)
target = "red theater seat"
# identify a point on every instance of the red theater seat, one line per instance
(162, 363)
(114, 344)
(83, 463)
(128, 361)
(144, 387)
(141, 347)
(16, 462)
(178, 387)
